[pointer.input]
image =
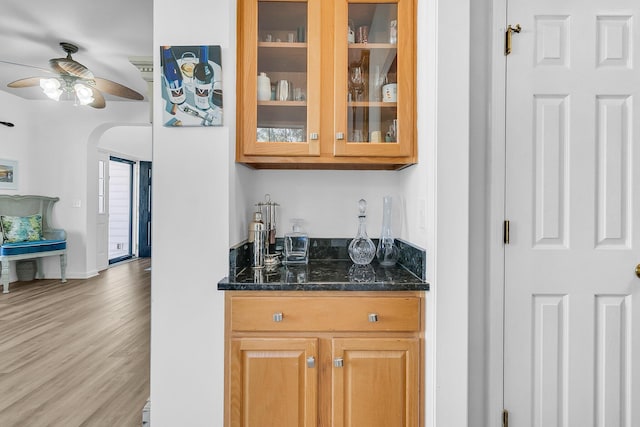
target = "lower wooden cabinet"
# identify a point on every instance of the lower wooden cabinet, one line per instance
(353, 374)
(377, 382)
(274, 382)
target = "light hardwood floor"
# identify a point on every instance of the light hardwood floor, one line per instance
(76, 354)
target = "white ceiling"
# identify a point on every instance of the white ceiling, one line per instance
(107, 33)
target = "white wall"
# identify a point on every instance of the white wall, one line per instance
(62, 143)
(190, 235)
(481, 33)
(14, 142)
(132, 142)
(213, 198)
(52, 142)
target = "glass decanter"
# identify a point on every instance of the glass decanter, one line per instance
(361, 249)
(387, 252)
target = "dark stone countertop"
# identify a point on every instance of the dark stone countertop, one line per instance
(325, 275)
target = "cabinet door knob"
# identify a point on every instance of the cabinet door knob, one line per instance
(340, 136)
(311, 362)
(338, 362)
(373, 317)
(277, 317)
(313, 136)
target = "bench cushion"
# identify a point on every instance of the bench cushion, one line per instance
(21, 248)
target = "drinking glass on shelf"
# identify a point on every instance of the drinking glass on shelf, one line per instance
(356, 80)
(357, 136)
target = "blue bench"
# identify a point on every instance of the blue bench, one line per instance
(54, 240)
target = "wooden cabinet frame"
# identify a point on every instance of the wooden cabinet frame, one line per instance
(326, 106)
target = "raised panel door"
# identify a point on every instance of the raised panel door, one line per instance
(572, 342)
(375, 382)
(273, 382)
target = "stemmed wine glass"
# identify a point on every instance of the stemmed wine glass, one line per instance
(356, 80)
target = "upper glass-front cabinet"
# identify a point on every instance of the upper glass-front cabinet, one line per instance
(326, 84)
(375, 102)
(279, 79)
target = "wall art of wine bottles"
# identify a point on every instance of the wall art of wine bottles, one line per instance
(191, 85)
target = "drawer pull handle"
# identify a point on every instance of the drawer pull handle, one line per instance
(311, 362)
(338, 362)
(277, 317)
(373, 317)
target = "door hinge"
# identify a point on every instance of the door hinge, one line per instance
(505, 232)
(508, 33)
(505, 418)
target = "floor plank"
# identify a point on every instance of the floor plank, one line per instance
(76, 354)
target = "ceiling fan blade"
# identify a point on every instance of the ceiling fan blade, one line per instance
(71, 67)
(98, 99)
(46, 70)
(28, 82)
(116, 89)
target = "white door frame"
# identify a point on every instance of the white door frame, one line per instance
(102, 219)
(495, 265)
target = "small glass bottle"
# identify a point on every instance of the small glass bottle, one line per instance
(296, 245)
(361, 249)
(387, 252)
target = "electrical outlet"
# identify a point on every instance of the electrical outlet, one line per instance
(77, 203)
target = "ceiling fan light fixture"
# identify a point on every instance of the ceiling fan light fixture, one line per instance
(51, 88)
(84, 93)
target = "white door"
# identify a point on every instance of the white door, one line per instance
(572, 298)
(102, 221)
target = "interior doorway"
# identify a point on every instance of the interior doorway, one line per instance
(121, 208)
(131, 143)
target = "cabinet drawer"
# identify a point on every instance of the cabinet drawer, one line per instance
(325, 314)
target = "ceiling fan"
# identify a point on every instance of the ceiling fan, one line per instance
(77, 81)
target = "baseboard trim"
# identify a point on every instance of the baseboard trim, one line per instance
(83, 275)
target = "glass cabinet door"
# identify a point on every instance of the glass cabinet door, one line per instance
(373, 60)
(284, 75)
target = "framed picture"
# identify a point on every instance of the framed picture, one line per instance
(8, 174)
(191, 85)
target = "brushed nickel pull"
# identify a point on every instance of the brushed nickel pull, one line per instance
(340, 136)
(311, 362)
(277, 317)
(373, 317)
(338, 362)
(313, 136)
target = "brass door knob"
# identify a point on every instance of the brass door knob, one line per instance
(638, 270)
